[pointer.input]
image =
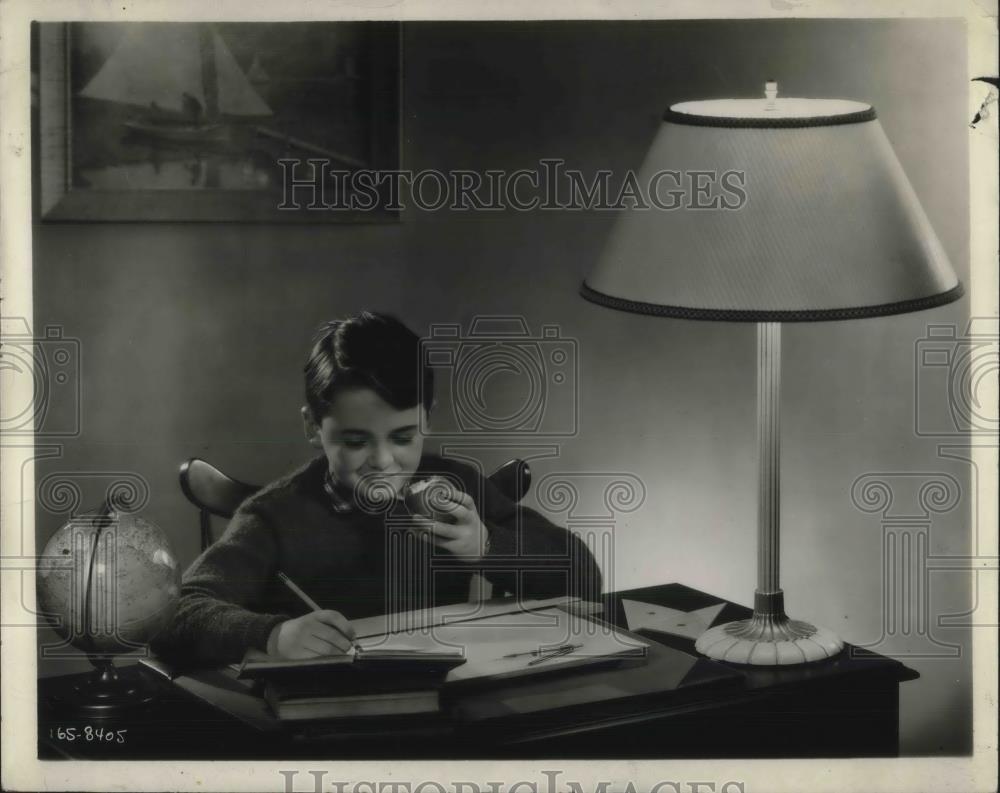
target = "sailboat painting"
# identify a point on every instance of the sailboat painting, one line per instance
(186, 95)
(190, 120)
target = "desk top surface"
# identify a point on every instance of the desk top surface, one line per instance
(675, 680)
(851, 661)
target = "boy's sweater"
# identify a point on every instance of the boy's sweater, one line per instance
(357, 563)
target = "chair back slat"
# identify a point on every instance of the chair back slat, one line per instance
(211, 490)
(513, 479)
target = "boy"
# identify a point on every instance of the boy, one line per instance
(332, 526)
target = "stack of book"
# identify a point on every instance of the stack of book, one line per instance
(369, 682)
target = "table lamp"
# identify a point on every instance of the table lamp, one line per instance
(798, 211)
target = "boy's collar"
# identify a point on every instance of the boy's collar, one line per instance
(341, 499)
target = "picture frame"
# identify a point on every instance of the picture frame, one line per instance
(121, 138)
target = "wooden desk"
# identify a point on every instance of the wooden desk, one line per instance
(847, 706)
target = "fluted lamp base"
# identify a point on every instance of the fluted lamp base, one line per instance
(768, 638)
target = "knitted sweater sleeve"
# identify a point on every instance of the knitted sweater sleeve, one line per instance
(215, 622)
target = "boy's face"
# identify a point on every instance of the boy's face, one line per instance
(364, 437)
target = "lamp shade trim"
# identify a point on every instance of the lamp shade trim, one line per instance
(778, 122)
(742, 315)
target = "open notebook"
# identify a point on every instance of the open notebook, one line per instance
(484, 646)
(519, 644)
(481, 644)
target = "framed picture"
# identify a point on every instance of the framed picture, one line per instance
(172, 121)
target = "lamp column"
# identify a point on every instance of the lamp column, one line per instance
(768, 595)
(769, 637)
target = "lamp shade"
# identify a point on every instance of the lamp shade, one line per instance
(772, 210)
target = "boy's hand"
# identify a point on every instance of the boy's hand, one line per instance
(461, 532)
(316, 633)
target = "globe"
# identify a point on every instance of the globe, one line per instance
(108, 583)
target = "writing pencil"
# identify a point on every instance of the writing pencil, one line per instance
(312, 604)
(288, 582)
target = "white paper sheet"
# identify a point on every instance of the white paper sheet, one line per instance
(661, 618)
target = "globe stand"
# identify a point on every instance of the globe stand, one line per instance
(106, 692)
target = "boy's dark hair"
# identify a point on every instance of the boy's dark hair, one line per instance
(371, 350)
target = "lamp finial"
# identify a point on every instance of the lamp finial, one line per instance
(771, 92)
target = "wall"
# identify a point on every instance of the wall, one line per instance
(193, 336)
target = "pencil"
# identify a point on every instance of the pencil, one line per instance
(312, 604)
(288, 582)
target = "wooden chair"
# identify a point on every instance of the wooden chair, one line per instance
(213, 493)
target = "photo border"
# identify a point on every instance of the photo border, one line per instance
(21, 771)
